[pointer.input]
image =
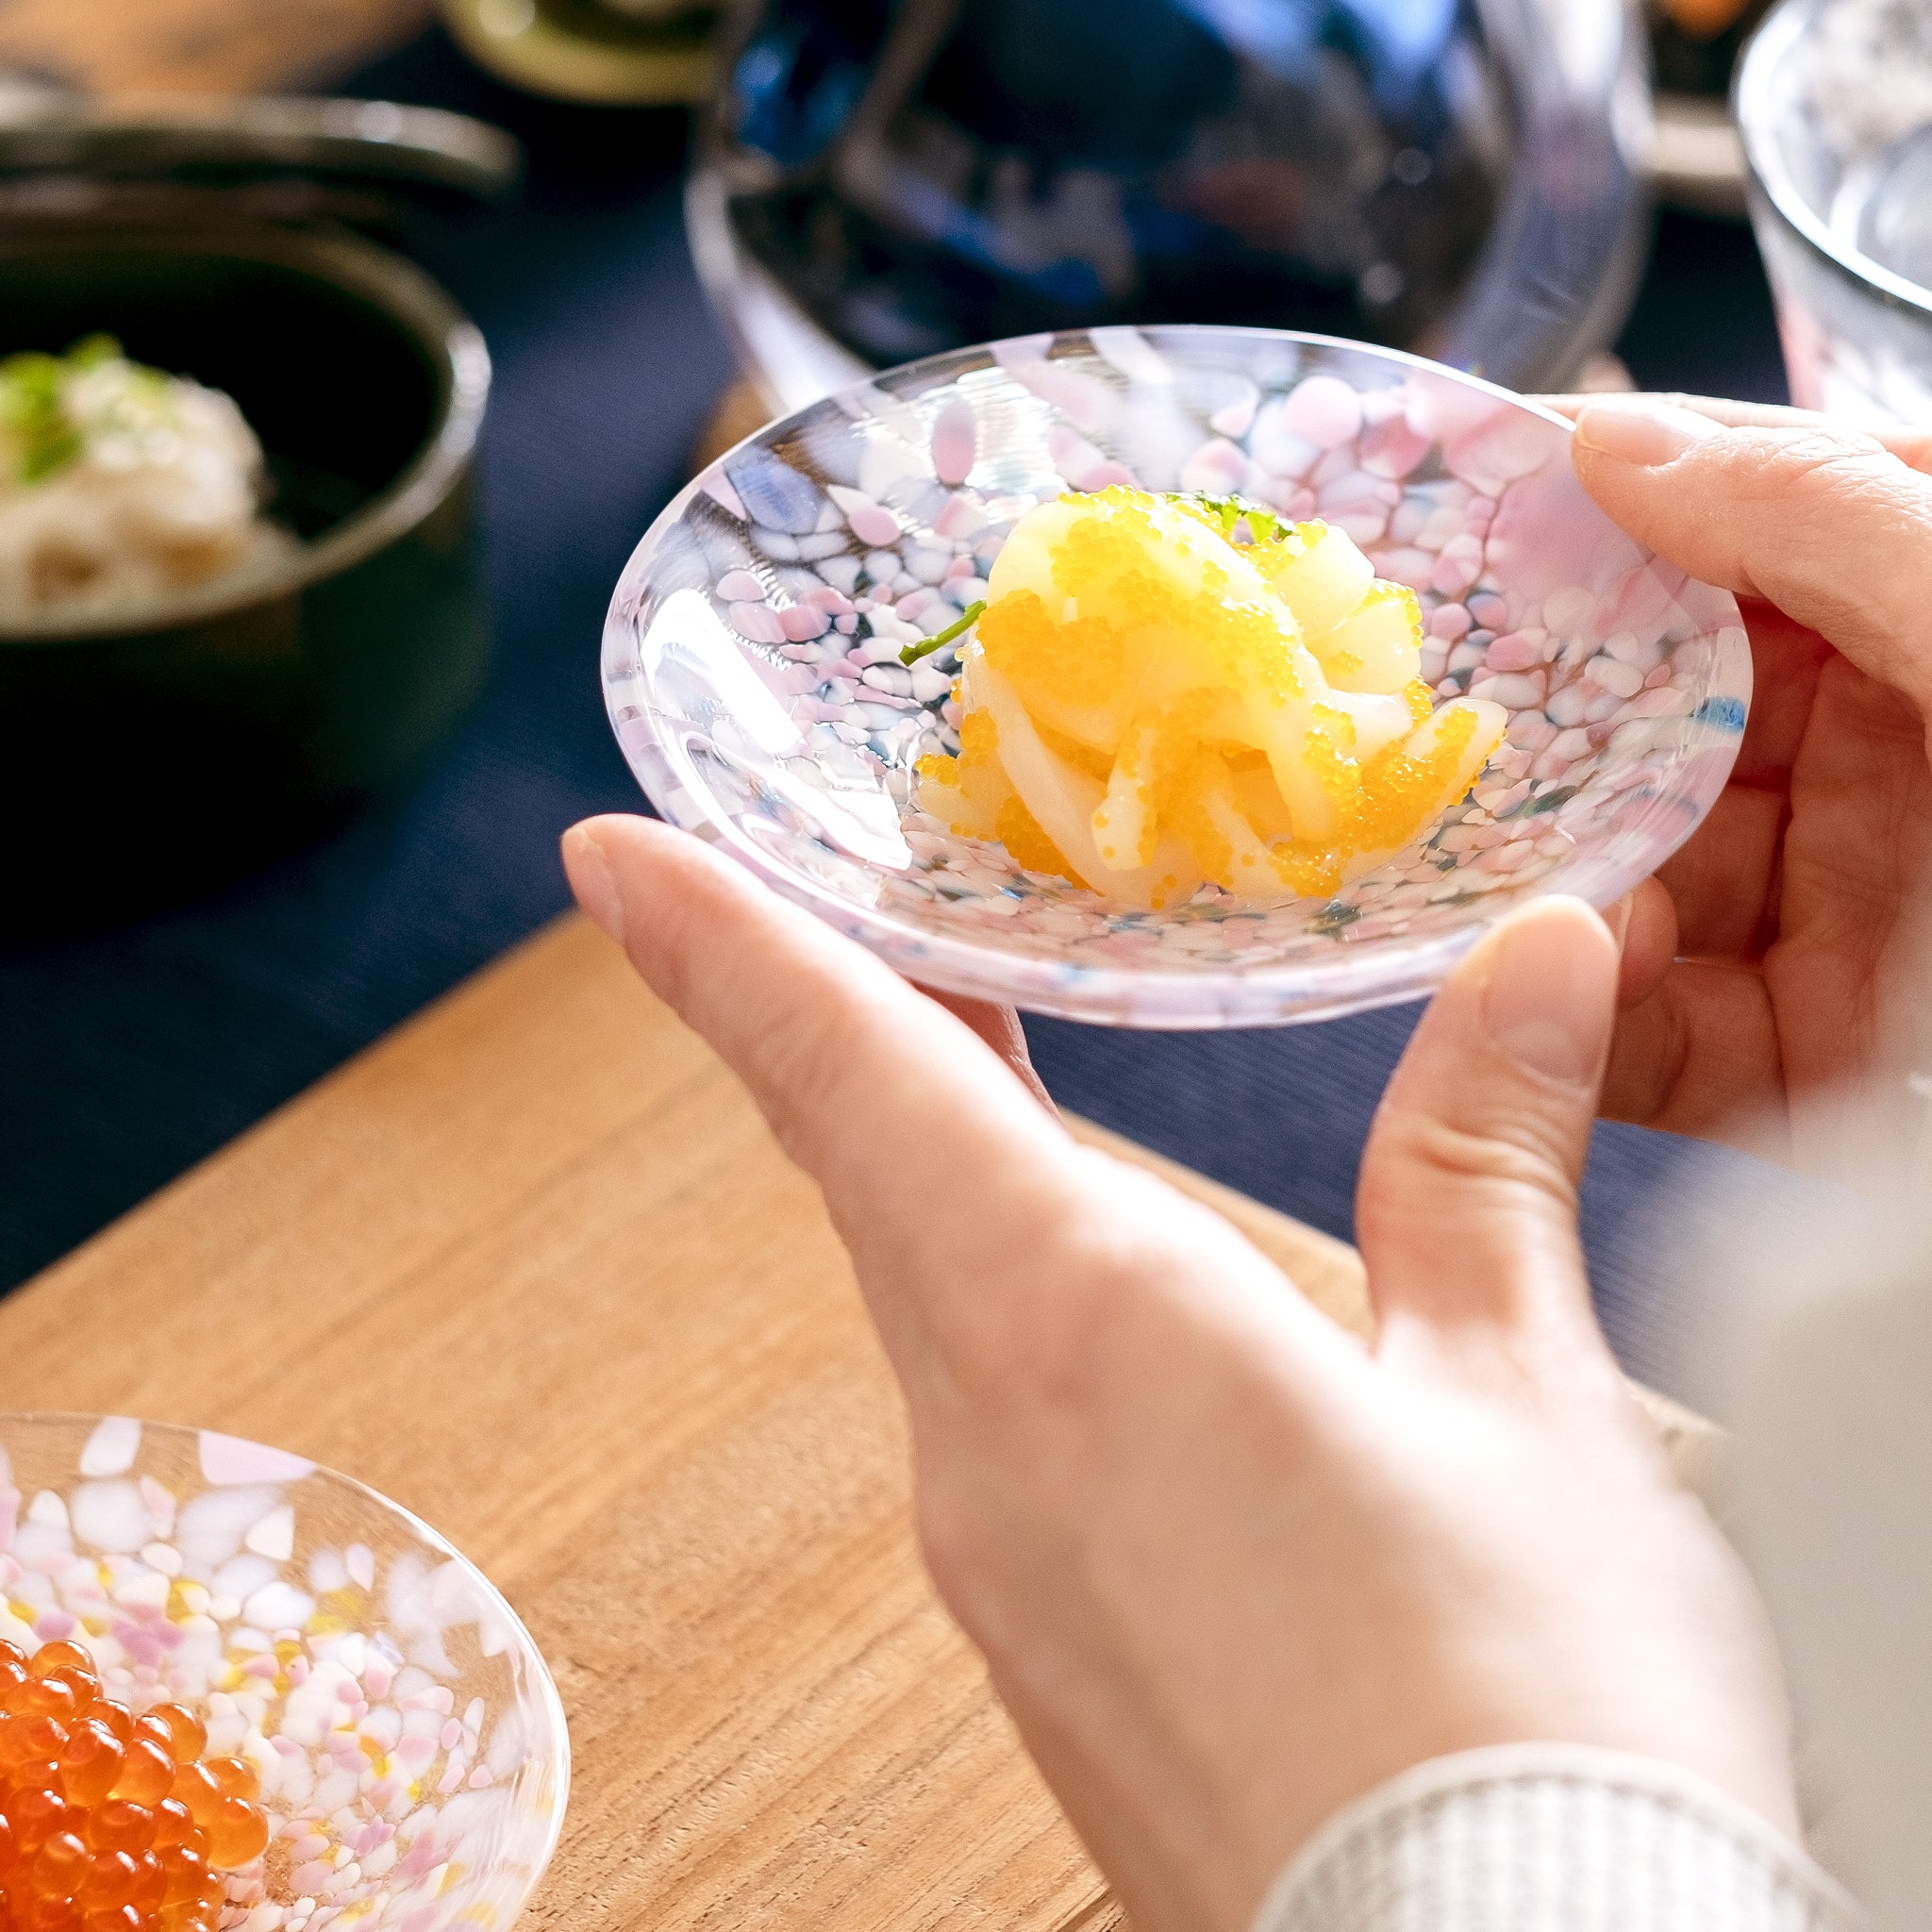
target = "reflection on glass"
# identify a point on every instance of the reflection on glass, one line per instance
(921, 175)
(1835, 103)
(659, 24)
(940, 173)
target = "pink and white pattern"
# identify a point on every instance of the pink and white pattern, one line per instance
(411, 1745)
(753, 658)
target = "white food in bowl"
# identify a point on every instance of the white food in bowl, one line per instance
(119, 484)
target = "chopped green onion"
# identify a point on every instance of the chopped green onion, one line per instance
(47, 453)
(41, 437)
(1263, 525)
(968, 618)
(29, 389)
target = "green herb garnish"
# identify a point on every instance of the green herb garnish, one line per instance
(968, 618)
(47, 454)
(1263, 525)
(33, 407)
(92, 351)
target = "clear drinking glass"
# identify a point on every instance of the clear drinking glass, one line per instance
(1460, 179)
(1834, 101)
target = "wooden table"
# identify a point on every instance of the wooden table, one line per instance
(199, 47)
(661, 1424)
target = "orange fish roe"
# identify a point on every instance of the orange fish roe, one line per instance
(108, 1822)
(1020, 832)
(1399, 789)
(1164, 690)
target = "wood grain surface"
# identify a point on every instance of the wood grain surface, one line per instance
(200, 46)
(534, 1267)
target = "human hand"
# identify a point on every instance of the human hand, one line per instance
(1782, 956)
(1230, 1569)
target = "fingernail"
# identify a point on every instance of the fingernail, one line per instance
(1547, 1000)
(593, 882)
(1640, 429)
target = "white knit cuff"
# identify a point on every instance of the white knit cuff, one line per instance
(1551, 1838)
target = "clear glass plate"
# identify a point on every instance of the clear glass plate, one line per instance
(412, 1748)
(752, 659)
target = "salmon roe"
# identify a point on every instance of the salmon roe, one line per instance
(108, 1822)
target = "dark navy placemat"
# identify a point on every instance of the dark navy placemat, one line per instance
(127, 1055)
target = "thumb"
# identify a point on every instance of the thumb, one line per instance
(1466, 1211)
(1827, 522)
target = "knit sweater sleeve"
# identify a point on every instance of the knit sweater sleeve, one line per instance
(1552, 1837)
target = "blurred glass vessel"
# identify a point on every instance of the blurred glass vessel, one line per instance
(605, 53)
(1835, 105)
(1695, 44)
(885, 178)
(1697, 161)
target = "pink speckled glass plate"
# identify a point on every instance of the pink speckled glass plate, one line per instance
(751, 658)
(412, 1748)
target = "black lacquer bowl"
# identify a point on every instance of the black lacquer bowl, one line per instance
(147, 754)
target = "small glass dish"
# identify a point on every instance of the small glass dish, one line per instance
(1834, 102)
(752, 674)
(392, 1704)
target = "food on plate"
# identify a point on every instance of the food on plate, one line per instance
(112, 1819)
(118, 483)
(1164, 690)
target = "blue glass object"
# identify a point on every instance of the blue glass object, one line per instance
(917, 174)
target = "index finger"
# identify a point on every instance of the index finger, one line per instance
(999, 1028)
(1830, 524)
(857, 1072)
(985, 1237)
(1913, 446)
